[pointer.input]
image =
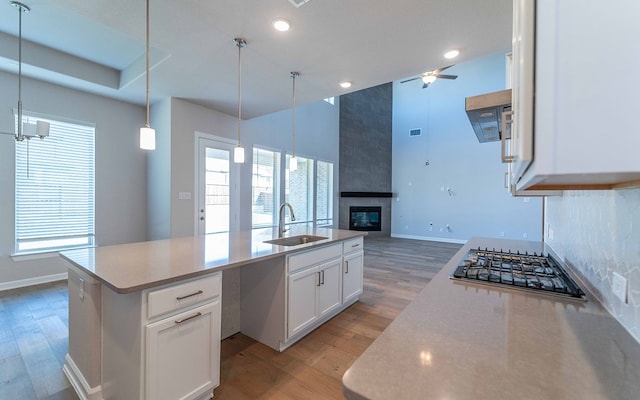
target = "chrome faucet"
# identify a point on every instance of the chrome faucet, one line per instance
(281, 228)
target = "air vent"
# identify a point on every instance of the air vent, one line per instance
(415, 132)
(298, 3)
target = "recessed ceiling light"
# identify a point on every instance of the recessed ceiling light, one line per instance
(281, 24)
(453, 53)
(345, 84)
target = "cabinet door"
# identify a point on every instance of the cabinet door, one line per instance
(352, 270)
(183, 354)
(302, 300)
(329, 294)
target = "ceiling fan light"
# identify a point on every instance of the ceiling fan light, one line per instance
(345, 84)
(453, 53)
(428, 79)
(281, 24)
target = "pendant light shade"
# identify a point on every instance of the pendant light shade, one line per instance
(293, 162)
(238, 152)
(147, 134)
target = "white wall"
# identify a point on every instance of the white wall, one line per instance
(598, 233)
(479, 204)
(120, 169)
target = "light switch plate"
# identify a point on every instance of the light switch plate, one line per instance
(619, 287)
(184, 196)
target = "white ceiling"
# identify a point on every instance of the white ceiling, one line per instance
(98, 46)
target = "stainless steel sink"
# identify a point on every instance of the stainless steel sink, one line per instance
(295, 240)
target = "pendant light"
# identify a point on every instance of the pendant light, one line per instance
(293, 162)
(238, 152)
(147, 134)
(25, 130)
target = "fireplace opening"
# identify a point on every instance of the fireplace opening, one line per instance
(365, 218)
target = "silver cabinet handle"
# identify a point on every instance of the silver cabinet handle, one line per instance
(322, 276)
(189, 295)
(506, 158)
(179, 321)
(319, 283)
(346, 270)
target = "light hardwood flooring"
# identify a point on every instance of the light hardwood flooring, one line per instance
(34, 330)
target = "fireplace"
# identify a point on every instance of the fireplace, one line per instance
(365, 218)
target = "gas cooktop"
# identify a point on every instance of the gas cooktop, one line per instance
(533, 272)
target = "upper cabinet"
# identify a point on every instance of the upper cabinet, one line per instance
(574, 80)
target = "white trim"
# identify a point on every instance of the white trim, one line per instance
(78, 382)
(434, 239)
(33, 281)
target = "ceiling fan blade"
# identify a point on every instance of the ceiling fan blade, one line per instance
(447, 76)
(412, 79)
(437, 71)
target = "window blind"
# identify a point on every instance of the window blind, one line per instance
(55, 188)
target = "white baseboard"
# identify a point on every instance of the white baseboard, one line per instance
(38, 280)
(78, 382)
(434, 239)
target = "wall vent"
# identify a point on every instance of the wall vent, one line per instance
(415, 132)
(298, 3)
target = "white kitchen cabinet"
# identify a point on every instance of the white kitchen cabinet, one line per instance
(313, 293)
(286, 298)
(352, 269)
(167, 344)
(585, 133)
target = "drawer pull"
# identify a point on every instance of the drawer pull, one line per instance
(189, 295)
(179, 321)
(355, 245)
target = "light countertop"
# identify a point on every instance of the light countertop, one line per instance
(135, 266)
(461, 340)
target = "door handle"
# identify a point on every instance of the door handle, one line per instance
(506, 158)
(346, 270)
(318, 284)
(322, 276)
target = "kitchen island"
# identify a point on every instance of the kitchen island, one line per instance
(461, 340)
(144, 318)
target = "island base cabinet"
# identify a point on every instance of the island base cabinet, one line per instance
(302, 300)
(352, 276)
(183, 353)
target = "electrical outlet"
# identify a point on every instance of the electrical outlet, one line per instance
(525, 236)
(619, 287)
(501, 234)
(430, 226)
(550, 232)
(526, 199)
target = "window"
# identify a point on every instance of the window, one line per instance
(324, 193)
(330, 100)
(55, 196)
(299, 190)
(264, 188)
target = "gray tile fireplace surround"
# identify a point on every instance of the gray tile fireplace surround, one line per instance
(365, 152)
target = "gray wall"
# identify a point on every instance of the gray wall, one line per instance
(478, 204)
(365, 151)
(120, 169)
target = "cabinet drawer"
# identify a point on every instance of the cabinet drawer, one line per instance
(176, 297)
(313, 257)
(350, 245)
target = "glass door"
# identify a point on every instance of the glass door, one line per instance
(217, 209)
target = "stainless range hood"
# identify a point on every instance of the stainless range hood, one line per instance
(485, 113)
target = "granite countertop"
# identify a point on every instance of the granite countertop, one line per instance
(460, 341)
(134, 266)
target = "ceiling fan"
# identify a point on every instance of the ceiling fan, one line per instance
(431, 76)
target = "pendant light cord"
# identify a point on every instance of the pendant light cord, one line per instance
(240, 43)
(19, 137)
(294, 75)
(147, 65)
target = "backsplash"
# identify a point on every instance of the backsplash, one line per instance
(598, 232)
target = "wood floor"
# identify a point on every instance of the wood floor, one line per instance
(34, 330)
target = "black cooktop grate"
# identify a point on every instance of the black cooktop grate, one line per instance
(524, 271)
